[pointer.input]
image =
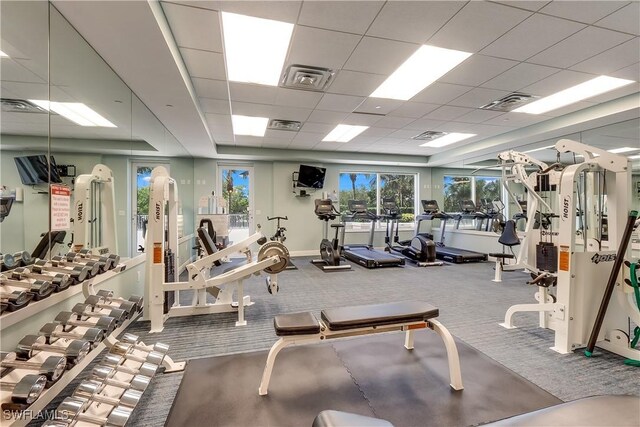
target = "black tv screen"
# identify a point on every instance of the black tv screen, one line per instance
(34, 170)
(311, 176)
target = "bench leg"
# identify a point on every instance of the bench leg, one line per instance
(271, 358)
(408, 339)
(455, 374)
(498, 275)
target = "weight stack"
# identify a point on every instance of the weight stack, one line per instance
(169, 277)
(547, 257)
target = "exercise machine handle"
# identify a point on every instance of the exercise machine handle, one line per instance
(277, 217)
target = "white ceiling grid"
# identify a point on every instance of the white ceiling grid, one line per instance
(538, 47)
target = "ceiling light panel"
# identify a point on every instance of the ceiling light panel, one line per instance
(574, 94)
(548, 147)
(424, 67)
(77, 112)
(3, 55)
(344, 133)
(255, 48)
(623, 150)
(448, 139)
(251, 126)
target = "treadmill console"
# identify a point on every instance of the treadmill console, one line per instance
(357, 206)
(430, 206)
(467, 206)
(390, 207)
(324, 209)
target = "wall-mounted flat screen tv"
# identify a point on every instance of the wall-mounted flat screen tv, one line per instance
(34, 170)
(311, 176)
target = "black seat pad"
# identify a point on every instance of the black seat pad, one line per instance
(509, 237)
(330, 418)
(363, 316)
(296, 324)
(501, 255)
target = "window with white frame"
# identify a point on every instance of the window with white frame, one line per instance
(372, 187)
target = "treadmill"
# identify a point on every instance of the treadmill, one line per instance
(366, 255)
(447, 253)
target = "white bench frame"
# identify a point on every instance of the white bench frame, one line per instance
(325, 333)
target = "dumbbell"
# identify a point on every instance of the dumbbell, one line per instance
(90, 389)
(105, 375)
(108, 295)
(126, 350)
(7, 262)
(73, 408)
(55, 331)
(115, 259)
(78, 274)
(23, 258)
(86, 310)
(138, 345)
(52, 368)
(61, 281)
(15, 300)
(92, 266)
(40, 289)
(69, 319)
(27, 390)
(30, 345)
(104, 264)
(116, 362)
(98, 302)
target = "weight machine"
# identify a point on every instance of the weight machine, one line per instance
(94, 221)
(162, 285)
(583, 267)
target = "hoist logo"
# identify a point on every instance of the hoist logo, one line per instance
(566, 202)
(603, 258)
(79, 211)
(549, 233)
(157, 217)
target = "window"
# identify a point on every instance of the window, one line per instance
(456, 189)
(372, 187)
(487, 188)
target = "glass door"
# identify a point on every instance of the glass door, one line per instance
(141, 172)
(235, 184)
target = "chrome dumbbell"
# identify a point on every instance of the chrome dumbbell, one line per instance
(126, 350)
(108, 296)
(74, 410)
(91, 389)
(86, 310)
(55, 331)
(22, 258)
(115, 259)
(15, 300)
(30, 345)
(27, 390)
(92, 266)
(78, 274)
(103, 264)
(99, 303)
(52, 368)
(40, 289)
(7, 262)
(69, 320)
(116, 362)
(61, 281)
(105, 374)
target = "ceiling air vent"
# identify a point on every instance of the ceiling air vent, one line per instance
(307, 78)
(19, 106)
(429, 135)
(509, 102)
(277, 124)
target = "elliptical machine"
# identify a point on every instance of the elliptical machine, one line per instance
(329, 250)
(420, 249)
(280, 237)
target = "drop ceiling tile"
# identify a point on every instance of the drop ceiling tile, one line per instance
(440, 93)
(320, 48)
(379, 56)
(582, 11)
(377, 132)
(333, 102)
(321, 128)
(525, 4)
(219, 123)
(12, 71)
(356, 83)
(425, 124)
(531, 37)
(394, 122)
(297, 98)
(413, 109)
(476, 70)
(516, 119)
(194, 28)
(286, 11)
(625, 19)
(211, 88)
(270, 111)
(257, 94)
(484, 130)
(24, 90)
(282, 135)
(578, 47)
(631, 72)
(363, 140)
(478, 97)
(404, 133)
(348, 17)
(389, 142)
(477, 25)
(523, 74)
(557, 82)
(412, 21)
(307, 138)
(613, 59)
(362, 119)
(479, 116)
(332, 117)
(217, 106)
(203, 64)
(378, 105)
(448, 112)
(569, 108)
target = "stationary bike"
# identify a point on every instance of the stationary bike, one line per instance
(329, 250)
(280, 237)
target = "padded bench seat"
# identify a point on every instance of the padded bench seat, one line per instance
(296, 324)
(365, 316)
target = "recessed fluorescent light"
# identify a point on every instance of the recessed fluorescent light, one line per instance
(252, 126)
(539, 149)
(636, 157)
(344, 133)
(3, 55)
(573, 94)
(623, 150)
(255, 48)
(449, 138)
(424, 67)
(77, 112)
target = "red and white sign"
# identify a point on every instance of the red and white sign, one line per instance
(60, 207)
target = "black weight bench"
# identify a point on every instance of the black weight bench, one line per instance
(407, 316)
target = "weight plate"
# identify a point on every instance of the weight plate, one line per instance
(270, 249)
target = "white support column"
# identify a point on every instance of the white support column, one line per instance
(408, 339)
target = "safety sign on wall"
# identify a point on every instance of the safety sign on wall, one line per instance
(60, 207)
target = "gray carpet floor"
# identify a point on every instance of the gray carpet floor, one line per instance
(471, 306)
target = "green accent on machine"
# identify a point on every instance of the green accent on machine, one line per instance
(636, 290)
